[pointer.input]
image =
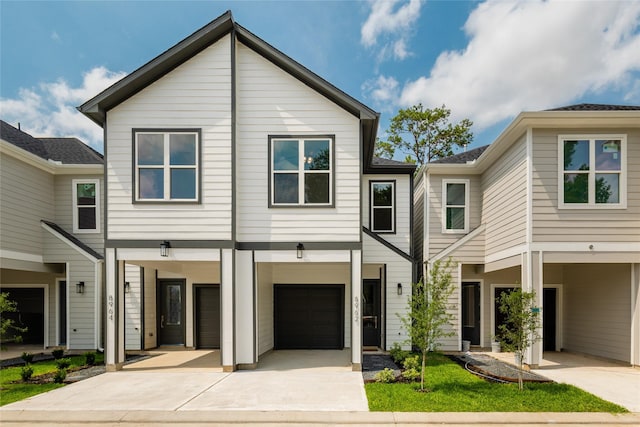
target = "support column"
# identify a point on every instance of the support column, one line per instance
(227, 302)
(356, 310)
(114, 343)
(245, 294)
(537, 286)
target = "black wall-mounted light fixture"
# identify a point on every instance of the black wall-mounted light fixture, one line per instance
(164, 248)
(299, 250)
(127, 287)
(399, 288)
(80, 288)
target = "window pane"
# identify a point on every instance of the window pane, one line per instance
(455, 218)
(87, 218)
(608, 155)
(382, 219)
(382, 195)
(316, 155)
(285, 188)
(285, 155)
(316, 188)
(576, 155)
(150, 149)
(182, 149)
(183, 183)
(455, 194)
(607, 188)
(576, 188)
(174, 305)
(151, 184)
(86, 194)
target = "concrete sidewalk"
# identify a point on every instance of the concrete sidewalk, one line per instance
(306, 418)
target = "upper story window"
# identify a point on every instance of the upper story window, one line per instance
(592, 171)
(455, 206)
(301, 171)
(86, 205)
(167, 165)
(383, 207)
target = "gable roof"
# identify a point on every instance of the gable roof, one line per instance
(381, 165)
(465, 157)
(68, 151)
(596, 107)
(71, 239)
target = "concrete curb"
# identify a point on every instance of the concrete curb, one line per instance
(197, 418)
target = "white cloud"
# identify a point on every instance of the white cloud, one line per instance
(50, 108)
(530, 55)
(384, 91)
(392, 24)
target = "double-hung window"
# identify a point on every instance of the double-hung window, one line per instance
(592, 171)
(86, 205)
(383, 207)
(166, 165)
(455, 195)
(301, 171)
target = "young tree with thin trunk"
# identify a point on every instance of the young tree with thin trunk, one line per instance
(430, 311)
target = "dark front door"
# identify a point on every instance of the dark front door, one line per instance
(208, 316)
(549, 304)
(308, 316)
(371, 318)
(171, 306)
(471, 312)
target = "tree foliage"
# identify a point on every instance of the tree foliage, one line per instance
(424, 134)
(522, 322)
(8, 328)
(430, 311)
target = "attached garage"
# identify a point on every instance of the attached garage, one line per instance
(308, 316)
(30, 314)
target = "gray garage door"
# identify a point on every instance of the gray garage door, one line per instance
(309, 316)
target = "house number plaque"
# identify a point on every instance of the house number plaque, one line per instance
(110, 304)
(355, 309)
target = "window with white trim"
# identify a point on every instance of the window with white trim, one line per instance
(301, 171)
(86, 205)
(455, 206)
(592, 171)
(166, 165)
(383, 209)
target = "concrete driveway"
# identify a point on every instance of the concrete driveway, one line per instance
(284, 381)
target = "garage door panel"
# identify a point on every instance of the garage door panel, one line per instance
(309, 316)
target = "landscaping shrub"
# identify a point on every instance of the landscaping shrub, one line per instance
(58, 353)
(27, 357)
(60, 376)
(411, 374)
(398, 354)
(90, 358)
(26, 372)
(412, 362)
(385, 376)
(63, 363)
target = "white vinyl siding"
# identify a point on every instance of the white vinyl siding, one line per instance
(504, 208)
(551, 224)
(272, 102)
(195, 95)
(26, 197)
(402, 236)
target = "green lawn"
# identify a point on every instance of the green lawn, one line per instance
(455, 390)
(12, 389)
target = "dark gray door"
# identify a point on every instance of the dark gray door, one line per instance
(207, 316)
(308, 316)
(62, 312)
(471, 312)
(549, 303)
(371, 316)
(171, 308)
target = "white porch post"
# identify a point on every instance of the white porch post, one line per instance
(537, 285)
(245, 311)
(114, 344)
(227, 301)
(356, 310)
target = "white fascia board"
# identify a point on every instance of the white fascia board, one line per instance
(20, 256)
(175, 254)
(585, 247)
(307, 256)
(54, 168)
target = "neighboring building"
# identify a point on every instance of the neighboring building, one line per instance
(51, 240)
(552, 205)
(243, 187)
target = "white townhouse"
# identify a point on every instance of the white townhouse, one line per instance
(243, 189)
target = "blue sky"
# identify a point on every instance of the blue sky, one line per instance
(487, 61)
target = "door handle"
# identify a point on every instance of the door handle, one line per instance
(162, 321)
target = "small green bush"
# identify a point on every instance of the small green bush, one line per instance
(63, 363)
(398, 354)
(385, 376)
(60, 376)
(58, 353)
(90, 358)
(27, 357)
(26, 372)
(411, 374)
(412, 362)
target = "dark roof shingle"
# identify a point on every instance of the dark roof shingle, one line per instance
(596, 107)
(461, 158)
